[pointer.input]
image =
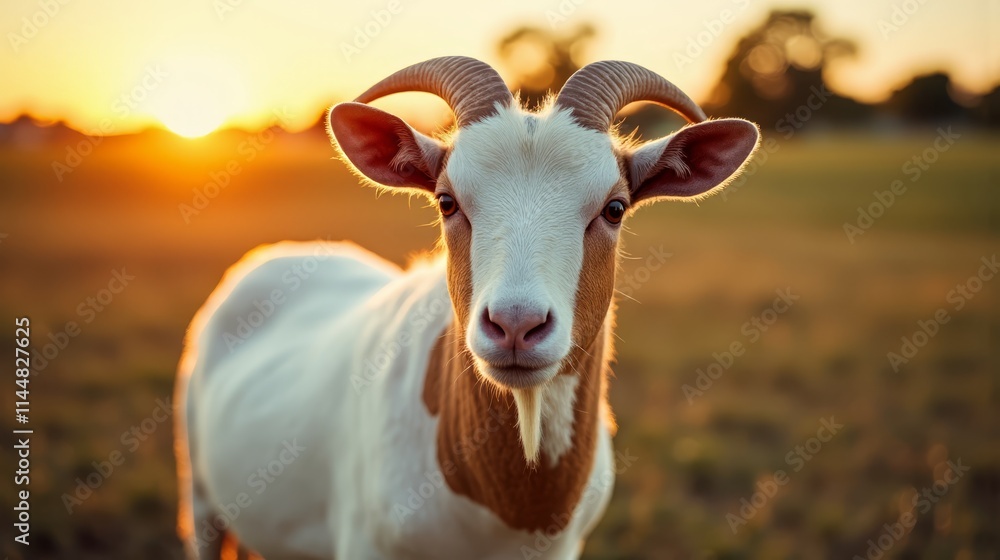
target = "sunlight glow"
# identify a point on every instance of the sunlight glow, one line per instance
(197, 97)
(188, 117)
(232, 63)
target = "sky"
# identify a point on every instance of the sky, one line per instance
(115, 66)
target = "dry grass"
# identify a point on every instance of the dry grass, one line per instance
(782, 228)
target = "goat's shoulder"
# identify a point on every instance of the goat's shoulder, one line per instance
(296, 282)
(290, 267)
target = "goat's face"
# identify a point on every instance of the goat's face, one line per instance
(532, 203)
(531, 211)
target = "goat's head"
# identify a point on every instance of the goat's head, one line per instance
(532, 202)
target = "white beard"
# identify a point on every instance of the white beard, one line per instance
(529, 420)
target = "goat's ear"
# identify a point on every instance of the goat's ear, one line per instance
(385, 149)
(693, 161)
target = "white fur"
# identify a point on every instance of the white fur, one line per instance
(558, 405)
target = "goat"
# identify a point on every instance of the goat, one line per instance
(332, 405)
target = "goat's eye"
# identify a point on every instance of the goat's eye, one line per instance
(447, 204)
(614, 211)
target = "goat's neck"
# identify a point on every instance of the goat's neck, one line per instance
(479, 449)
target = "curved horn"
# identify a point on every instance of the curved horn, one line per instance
(596, 92)
(470, 87)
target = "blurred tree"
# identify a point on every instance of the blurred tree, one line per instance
(542, 60)
(987, 112)
(777, 69)
(925, 99)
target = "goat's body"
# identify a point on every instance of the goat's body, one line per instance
(331, 405)
(309, 433)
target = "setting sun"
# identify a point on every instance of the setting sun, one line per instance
(197, 96)
(188, 116)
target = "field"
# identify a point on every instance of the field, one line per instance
(699, 277)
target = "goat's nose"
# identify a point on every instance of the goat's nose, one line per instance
(516, 328)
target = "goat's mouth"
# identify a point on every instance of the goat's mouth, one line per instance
(516, 376)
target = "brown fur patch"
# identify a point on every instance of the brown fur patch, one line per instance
(479, 446)
(432, 379)
(458, 241)
(478, 442)
(596, 285)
